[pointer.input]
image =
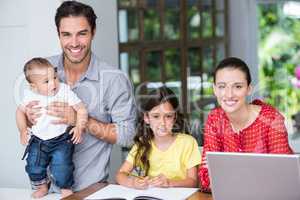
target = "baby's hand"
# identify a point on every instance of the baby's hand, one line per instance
(24, 137)
(76, 131)
(159, 181)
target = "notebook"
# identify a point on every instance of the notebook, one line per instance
(249, 176)
(119, 192)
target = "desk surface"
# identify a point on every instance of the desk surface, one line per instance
(97, 186)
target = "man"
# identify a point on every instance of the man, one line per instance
(106, 92)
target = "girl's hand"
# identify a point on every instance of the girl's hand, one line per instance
(159, 181)
(76, 138)
(140, 183)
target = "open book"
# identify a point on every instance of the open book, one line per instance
(118, 192)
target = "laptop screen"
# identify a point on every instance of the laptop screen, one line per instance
(250, 176)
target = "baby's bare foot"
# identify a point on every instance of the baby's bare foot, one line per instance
(65, 192)
(41, 191)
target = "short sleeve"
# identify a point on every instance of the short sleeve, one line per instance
(211, 143)
(278, 136)
(27, 97)
(193, 156)
(131, 154)
(72, 98)
(121, 103)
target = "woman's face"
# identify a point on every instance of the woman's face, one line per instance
(161, 119)
(231, 89)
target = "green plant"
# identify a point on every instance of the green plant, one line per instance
(279, 50)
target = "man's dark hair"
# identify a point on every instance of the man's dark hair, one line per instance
(75, 9)
(235, 63)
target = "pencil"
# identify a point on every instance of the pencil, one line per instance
(133, 175)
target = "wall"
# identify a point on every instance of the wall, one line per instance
(27, 29)
(243, 35)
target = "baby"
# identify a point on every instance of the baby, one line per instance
(50, 145)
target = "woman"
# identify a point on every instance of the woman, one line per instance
(238, 126)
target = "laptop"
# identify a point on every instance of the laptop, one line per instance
(250, 176)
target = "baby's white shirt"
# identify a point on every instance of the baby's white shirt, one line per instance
(44, 129)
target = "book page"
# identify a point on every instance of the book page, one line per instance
(118, 191)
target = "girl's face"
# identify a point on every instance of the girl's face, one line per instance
(161, 119)
(231, 89)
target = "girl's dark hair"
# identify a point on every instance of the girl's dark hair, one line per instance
(74, 8)
(235, 63)
(144, 133)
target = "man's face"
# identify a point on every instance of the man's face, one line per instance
(75, 37)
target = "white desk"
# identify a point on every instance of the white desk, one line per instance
(23, 194)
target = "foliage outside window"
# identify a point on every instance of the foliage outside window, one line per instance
(279, 54)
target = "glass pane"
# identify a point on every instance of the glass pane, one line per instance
(200, 101)
(127, 3)
(220, 26)
(207, 64)
(172, 69)
(172, 64)
(153, 69)
(207, 28)
(172, 4)
(194, 61)
(128, 26)
(172, 24)
(220, 52)
(219, 5)
(130, 65)
(151, 24)
(134, 68)
(124, 62)
(207, 85)
(193, 22)
(206, 4)
(150, 3)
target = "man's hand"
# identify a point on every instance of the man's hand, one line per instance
(62, 110)
(159, 181)
(33, 111)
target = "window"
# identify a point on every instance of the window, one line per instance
(176, 43)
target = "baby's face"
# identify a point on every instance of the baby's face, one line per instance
(45, 81)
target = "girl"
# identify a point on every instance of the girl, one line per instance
(238, 126)
(162, 155)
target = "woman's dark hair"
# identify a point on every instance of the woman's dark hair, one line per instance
(144, 133)
(235, 63)
(74, 8)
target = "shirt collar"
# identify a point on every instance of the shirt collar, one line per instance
(91, 73)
